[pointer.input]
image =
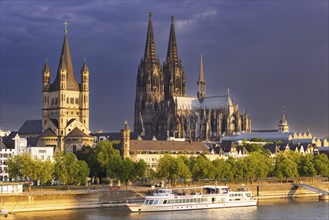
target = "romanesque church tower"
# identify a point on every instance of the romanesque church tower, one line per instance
(149, 89)
(65, 104)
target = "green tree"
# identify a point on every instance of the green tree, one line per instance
(127, 171)
(230, 169)
(219, 167)
(202, 168)
(285, 166)
(69, 170)
(30, 169)
(321, 165)
(263, 164)
(164, 168)
(141, 168)
(306, 166)
(83, 172)
(254, 147)
(47, 171)
(22, 166)
(257, 139)
(104, 154)
(182, 168)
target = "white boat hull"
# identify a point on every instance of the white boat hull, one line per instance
(176, 207)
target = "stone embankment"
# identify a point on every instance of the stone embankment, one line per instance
(42, 200)
(67, 199)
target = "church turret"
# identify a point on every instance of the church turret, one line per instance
(46, 77)
(45, 91)
(125, 135)
(283, 124)
(62, 74)
(172, 68)
(84, 95)
(201, 84)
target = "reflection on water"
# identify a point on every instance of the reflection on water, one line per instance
(283, 209)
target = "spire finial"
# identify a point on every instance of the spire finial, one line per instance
(228, 92)
(85, 60)
(46, 59)
(65, 27)
(150, 16)
(172, 19)
(201, 76)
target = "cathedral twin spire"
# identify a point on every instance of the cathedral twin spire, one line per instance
(172, 53)
(150, 52)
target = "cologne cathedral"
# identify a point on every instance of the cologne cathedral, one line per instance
(163, 108)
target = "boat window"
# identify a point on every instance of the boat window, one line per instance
(155, 202)
(165, 202)
(194, 200)
(160, 202)
(151, 202)
(146, 202)
(248, 194)
(176, 201)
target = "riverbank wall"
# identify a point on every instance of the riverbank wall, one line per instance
(43, 200)
(67, 199)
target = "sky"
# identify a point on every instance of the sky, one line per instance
(269, 54)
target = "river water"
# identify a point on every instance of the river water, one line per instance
(271, 210)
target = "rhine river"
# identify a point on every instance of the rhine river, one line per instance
(280, 209)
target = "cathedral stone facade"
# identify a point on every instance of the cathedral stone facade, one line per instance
(65, 105)
(162, 107)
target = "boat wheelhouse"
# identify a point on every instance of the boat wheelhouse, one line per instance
(206, 197)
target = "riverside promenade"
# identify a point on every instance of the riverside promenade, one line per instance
(40, 199)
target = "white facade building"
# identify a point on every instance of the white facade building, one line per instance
(21, 146)
(43, 153)
(4, 155)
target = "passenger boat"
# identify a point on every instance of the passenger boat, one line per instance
(206, 197)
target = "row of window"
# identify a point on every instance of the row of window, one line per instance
(4, 170)
(176, 201)
(4, 162)
(235, 194)
(5, 155)
(54, 101)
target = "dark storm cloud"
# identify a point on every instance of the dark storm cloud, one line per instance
(268, 53)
